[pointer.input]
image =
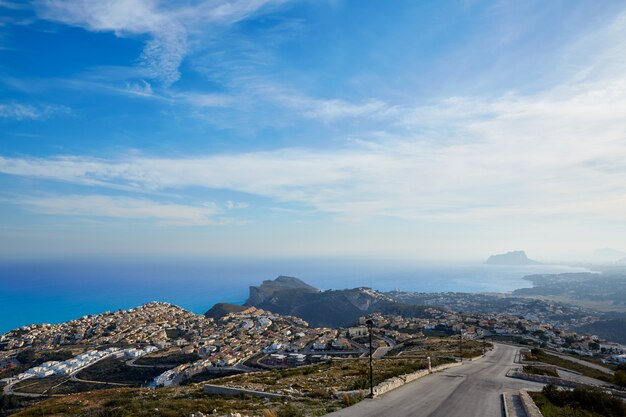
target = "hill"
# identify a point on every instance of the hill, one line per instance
(332, 308)
(270, 289)
(220, 310)
(517, 257)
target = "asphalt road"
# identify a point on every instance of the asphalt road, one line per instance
(582, 362)
(471, 390)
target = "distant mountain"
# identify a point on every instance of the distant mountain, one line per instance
(517, 257)
(269, 289)
(332, 308)
(220, 310)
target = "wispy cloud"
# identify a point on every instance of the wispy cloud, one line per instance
(555, 152)
(121, 208)
(236, 205)
(559, 152)
(169, 25)
(21, 111)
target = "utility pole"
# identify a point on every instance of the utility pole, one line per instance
(370, 324)
(461, 344)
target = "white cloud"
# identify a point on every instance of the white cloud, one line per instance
(121, 208)
(20, 111)
(332, 109)
(169, 24)
(141, 89)
(236, 205)
(557, 153)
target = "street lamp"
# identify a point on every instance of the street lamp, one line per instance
(370, 324)
(461, 344)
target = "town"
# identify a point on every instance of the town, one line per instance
(255, 339)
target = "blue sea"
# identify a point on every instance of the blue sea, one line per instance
(57, 291)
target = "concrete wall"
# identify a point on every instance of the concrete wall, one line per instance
(529, 405)
(396, 382)
(513, 373)
(233, 392)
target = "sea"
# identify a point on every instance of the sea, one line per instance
(54, 291)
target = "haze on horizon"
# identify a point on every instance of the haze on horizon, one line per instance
(418, 130)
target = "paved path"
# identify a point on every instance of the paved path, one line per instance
(582, 362)
(473, 389)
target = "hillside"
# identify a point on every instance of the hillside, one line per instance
(220, 310)
(333, 308)
(270, 289)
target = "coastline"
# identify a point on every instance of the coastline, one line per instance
(57, 292)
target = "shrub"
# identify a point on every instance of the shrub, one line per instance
(588, 399)
(620, 378)
(290, 410)
(269, 413)
(536, 370)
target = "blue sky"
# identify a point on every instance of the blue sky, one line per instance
(404, 129)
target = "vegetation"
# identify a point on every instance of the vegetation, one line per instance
(209, 375)
(31, 358)
(442, 349)
(57, 385)
(171, 402)
(580, 402)
(540, 370)
(611, 329)
(539, 355)
(8, 403)
(319, 381)
(174, 333)
(389, 370)
(173, 359)
(114, 370)
(39, 385)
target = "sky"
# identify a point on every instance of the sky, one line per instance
(426, 130)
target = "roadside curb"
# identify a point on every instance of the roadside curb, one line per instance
(504, 405)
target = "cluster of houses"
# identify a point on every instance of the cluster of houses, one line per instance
(69, 366)
(145, 324)
(285, 340)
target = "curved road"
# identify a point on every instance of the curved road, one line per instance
(471, 390)
(582, 362)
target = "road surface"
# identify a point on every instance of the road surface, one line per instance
(471, 390)
(582, 362)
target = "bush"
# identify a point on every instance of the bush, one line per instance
(290, 410)
(536, 370)
(620, 378)
(319, 392)
(111, 412)
(7, 403)
(588, 399)
(269, 413)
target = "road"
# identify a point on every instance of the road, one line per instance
(471, 390)
(582, 362)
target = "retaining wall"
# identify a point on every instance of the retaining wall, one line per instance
(529, 405)
(514, 373)
(396, 382)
